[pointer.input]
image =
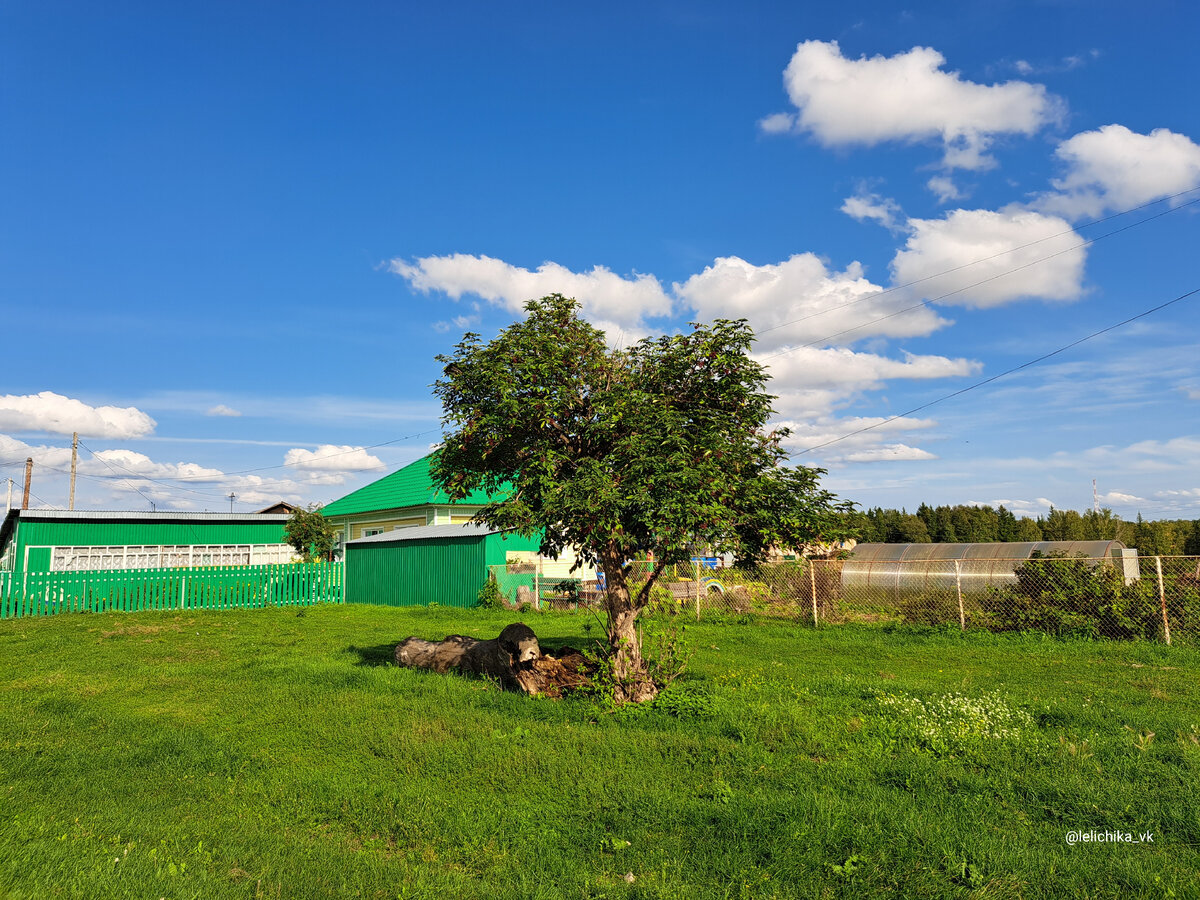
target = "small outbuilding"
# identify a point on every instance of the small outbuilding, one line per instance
(443, 564)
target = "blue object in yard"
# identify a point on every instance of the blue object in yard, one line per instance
(710, 561)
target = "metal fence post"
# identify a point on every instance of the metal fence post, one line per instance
(1162, 599)
(812, 578)
(537, 592)
(962, 615)
(696, 573)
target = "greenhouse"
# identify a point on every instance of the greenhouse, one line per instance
(907, 569)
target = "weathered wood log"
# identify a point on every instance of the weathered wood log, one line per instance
(439, 656)
(514, 659)
(516, 648)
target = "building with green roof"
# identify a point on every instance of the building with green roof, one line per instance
(407, 498)
(59, 540)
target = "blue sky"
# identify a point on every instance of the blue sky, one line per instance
(236, 235)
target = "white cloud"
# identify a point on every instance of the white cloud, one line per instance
(604, 295)
(1113, 498)
(1114, 168)
(906, 97)
(991, 258)
(811, 383)
(56, 414)
(801, 300)
(777, 123)
(1192, 393)
(222, 410)
(865, 206)
(1030, 508)
(841, 367)
(132, 462)
(944, 188)
(889, 453)
(854, 439)
(330, 458)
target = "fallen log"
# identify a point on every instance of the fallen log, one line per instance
(515, 659)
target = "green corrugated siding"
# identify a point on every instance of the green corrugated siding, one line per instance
(91, 534)
(498, 545)
(446, 571)
(416, 573)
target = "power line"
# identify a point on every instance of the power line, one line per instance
(1024, 365)
(111, 469)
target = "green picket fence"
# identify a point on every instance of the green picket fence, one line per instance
(135, 590)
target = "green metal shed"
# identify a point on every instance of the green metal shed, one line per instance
(44, 540)
(443, 564)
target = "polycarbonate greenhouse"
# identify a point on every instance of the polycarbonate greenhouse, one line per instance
(909, 569)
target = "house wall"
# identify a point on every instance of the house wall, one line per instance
(33, 540)
(359, 524)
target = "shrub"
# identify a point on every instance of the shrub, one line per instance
(1074, 597)
(490, 596)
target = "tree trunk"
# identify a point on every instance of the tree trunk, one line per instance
(631, 675)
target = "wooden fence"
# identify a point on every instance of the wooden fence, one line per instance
(135, 590)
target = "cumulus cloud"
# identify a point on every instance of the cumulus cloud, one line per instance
(118, 478)
(1031, 508)
(222, 410)
(944, 188)
(811, 383)
(889, 453)
(842, 367)
(984, 258)
(56, 414)
(856, 439)
(605, 296)
(906, 97)
(331, 458)
(1114, 168)
(1115, 498)
(865, 206)
(801, 300)
(132, 462)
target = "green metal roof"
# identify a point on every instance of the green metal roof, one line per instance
(410, 486)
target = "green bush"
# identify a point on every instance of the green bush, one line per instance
(490, 596)
(1075, 597)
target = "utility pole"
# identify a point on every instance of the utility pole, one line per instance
(232, 497)
(74, 460)
(1095, 498)
(28, 479)
(9, 507)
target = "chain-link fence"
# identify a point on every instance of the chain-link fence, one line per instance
(1148, 598)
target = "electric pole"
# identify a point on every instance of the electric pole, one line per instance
(28, 479)
(74, 460)
(232, 497)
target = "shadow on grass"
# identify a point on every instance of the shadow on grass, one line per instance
(380, 655)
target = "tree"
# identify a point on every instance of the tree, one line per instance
(310, 534)
(656, 449)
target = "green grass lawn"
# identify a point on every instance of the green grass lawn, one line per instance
(276, 754)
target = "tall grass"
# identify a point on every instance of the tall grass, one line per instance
(276, 754)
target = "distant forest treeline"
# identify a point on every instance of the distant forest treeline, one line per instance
(982, 524)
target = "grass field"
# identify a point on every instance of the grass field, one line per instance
(276, 754)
